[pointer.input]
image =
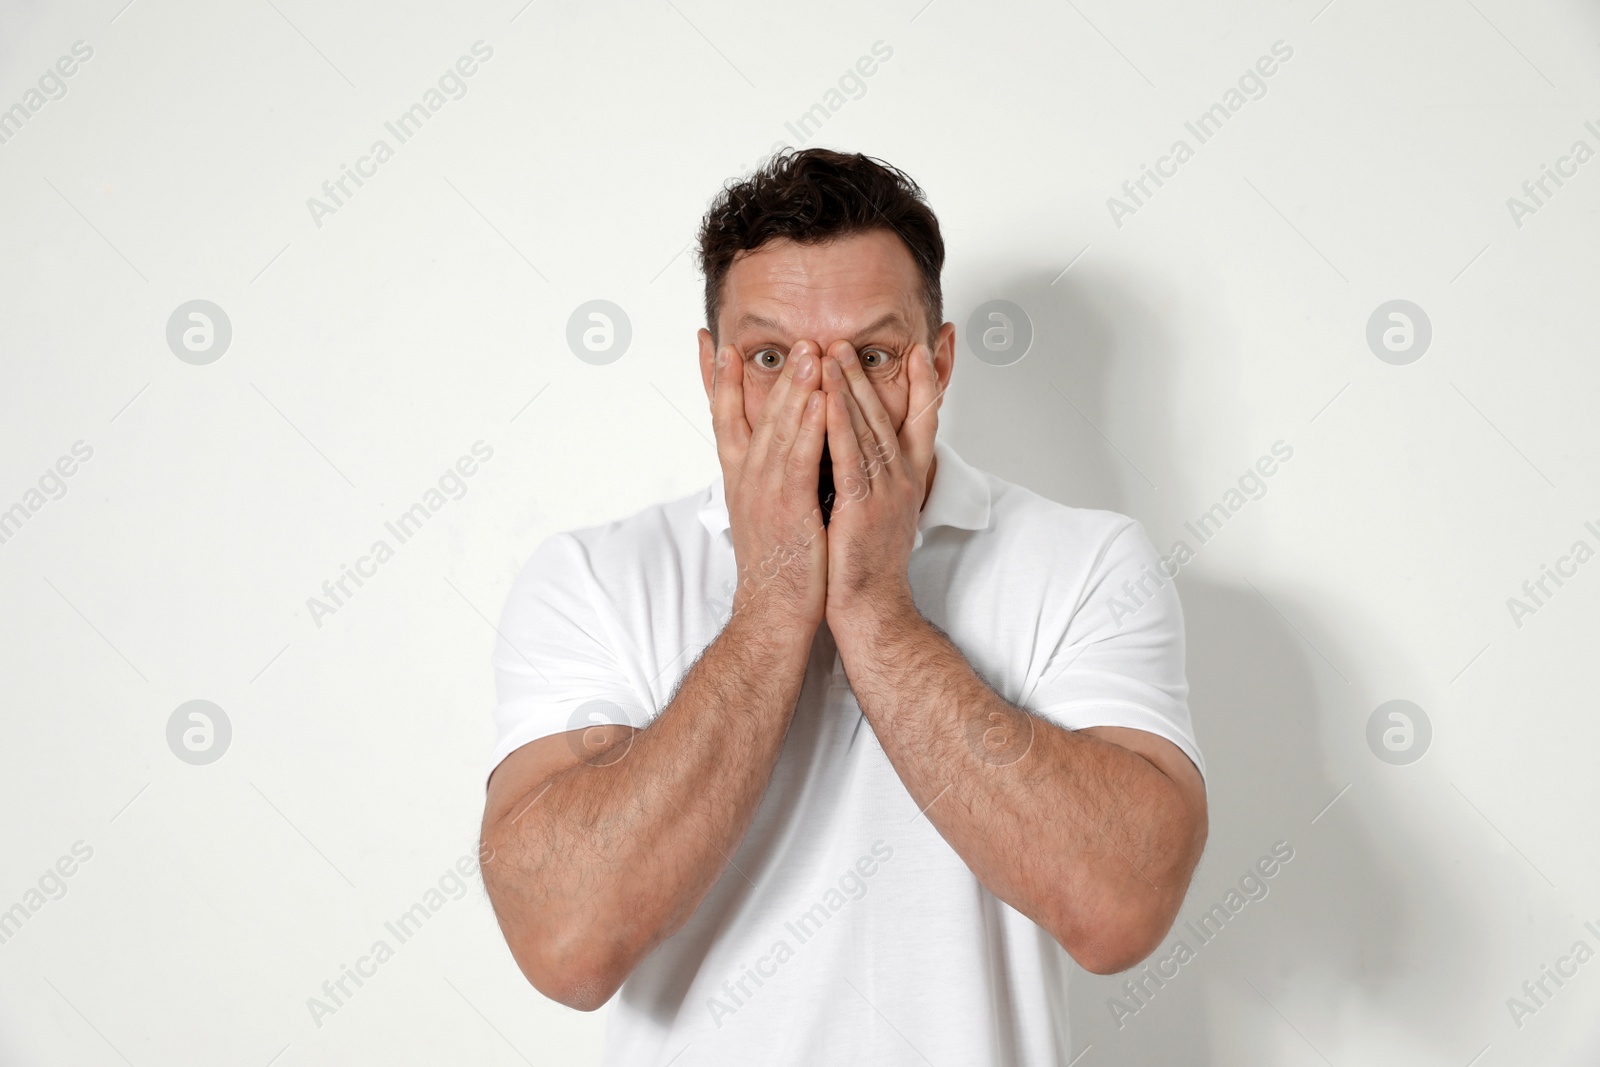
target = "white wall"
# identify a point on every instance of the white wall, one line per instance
(369, 352)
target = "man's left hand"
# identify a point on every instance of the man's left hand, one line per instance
(880, 478)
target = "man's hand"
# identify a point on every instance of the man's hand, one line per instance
(881, 478)
(769, 477)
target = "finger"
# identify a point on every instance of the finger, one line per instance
(805, 459)
(804, 373)
(834, 385)
(767, 418)
(728, 422)
(832, 375)
(882, 441)
(874, 460)
(850, 480)
(871, 457)
(922, 410)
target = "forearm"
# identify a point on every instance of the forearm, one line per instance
(1088, 839)
(609, 857)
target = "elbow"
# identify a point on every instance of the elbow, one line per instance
(1111, 956)
(1116, 939)
(579, 991)
(1125, 920)
(576, 958)
(572, 971)
(566, 958)
(1112, 953)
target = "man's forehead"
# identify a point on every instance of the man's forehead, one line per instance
(864, 281)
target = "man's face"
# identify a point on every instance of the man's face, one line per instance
(864, 289)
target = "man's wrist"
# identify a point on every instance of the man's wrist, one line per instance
(774, 624)
(872, 619)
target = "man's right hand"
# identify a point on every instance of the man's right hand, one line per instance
(769, 476)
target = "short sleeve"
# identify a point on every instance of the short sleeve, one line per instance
(1119, 658)
(555, 665)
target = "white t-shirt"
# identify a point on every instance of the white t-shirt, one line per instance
(847, 931)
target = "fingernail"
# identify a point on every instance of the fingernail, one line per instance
(812, 402)
(804, 365)
(834, 373)
(847, 354)
(722, 357)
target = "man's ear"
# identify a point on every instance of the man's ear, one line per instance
(944, 359)
(708, 361)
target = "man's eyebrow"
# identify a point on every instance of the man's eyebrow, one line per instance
(891, 319)
(750, 318)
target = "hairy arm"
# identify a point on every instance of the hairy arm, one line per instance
(1092, 833)
(601, 843)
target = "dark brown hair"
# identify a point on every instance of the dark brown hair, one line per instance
(814, 195)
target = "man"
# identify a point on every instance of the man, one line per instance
(918, 763)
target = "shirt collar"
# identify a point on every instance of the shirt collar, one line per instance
(959, 498)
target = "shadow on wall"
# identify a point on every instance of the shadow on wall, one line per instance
(1330, 922)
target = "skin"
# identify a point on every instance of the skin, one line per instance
(602, 843)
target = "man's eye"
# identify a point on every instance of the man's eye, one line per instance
(873, 358)
(769, 358)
